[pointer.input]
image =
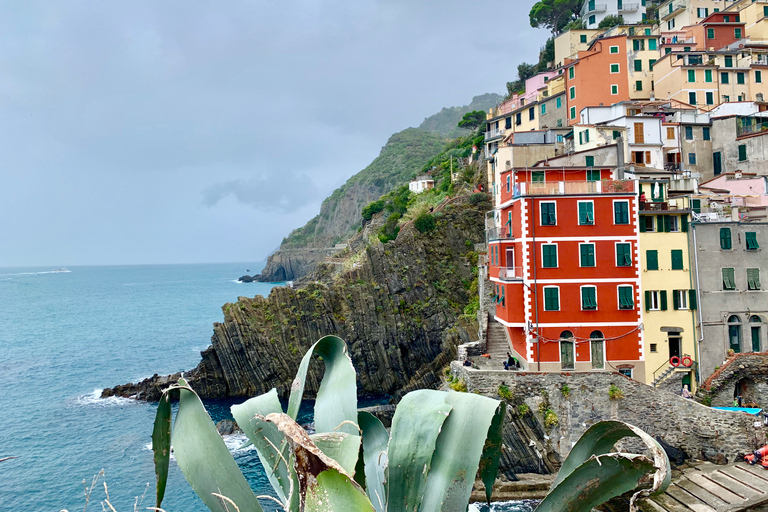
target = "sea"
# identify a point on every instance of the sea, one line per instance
(65, 336)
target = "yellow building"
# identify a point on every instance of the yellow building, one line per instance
(688, 77)
(669, 301)
(674, 14)
(570, 43)
(754, 13)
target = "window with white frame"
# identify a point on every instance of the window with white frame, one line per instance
(551, 298)
(653, 301)
(589, 297)
(680, 299)
(674, 223)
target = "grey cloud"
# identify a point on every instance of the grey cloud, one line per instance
(269, 193)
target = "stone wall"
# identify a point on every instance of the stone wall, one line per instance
(701, 432)
(751, 370)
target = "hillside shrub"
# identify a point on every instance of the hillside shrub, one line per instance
(373, 208)
(425, 222)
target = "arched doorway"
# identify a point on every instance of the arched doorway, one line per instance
(744, 388)
(567, 351)
(755, 322)
(734, 333)
(597, 350)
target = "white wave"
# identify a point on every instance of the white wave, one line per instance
(94, 398)
(233, 442)
(37, 273)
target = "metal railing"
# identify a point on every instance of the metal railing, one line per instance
(629, 7)
(748, 126)
(557, 188)
(675, 167)
(498, 234)
(494, 133)
(511, 273)
(597, 8)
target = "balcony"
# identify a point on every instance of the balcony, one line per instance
(629, 7)
(511, 274)
(673, 167)
(653, 206)
(504, 233)
(493, 133)
(597, 8)
(672, 10)
(564, 188)
(750, 126)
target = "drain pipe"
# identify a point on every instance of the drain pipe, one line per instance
(535, 286)
(698, 304)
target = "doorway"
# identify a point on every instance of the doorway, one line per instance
(675, 343)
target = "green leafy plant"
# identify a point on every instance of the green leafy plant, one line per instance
(458, 385)
(424, 222)
(565, 390)
(505, 392)
(550, 418)
(523, 409)
(615, 393)
(427, 462)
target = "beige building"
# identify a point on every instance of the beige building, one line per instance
(675, 14)
(570, 43)
(688, 77)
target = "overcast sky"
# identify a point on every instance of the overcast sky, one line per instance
(184, 132)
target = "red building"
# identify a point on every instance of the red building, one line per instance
(564, 267)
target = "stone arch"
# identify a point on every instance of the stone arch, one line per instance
(746, 388)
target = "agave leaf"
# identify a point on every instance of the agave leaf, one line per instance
(204, 458)
(316, 492)
(596, 481)
(489, 460)
(161, 445)
(271, 445)
(415, 427)
(458, 450)
(340, 446)
(374, 458)
(332, 491)
(336, 401)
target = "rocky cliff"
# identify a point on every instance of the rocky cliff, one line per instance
(397, 305)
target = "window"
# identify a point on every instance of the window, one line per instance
(537, 176)
(728, 61)
(592, 20)
(616, 134)
(705, 133)
(614, 49)
(725, 239)
(740, 78)
(639, 133)
(710, 33)
(652, 44)
(647, 225)
(508, 123)
(737, 33)
(755, 329)
(677, 259)
(571, 72)
(707, 75)
(692, 98)
(672, 224)
(614, 90)
(581, 138)
(586, 213)
(586, 136)
(573, 112)
(531, 114)
(703, 12)
(551, 298)
(680, 299)
(626, 298)
(729, 281)
(734, 333)
(654, 347)
(621, 212)
(726, 98)
(549, 255)
(559, 102)
(614, 68)
(753, 279)
(638, 65)
(652, 259)
(639, 85)
(638, 44)
(765, 11)
(623, 255)
(656, 300)
(567, 353)
(751, 237)
(691, 75)
(758, 76)
(588, 297)
(543, 108)
(548, 214)
(692, 158)
(651, 62)
(724, 78)
(688, 133)
(670, 133)
(589, 161)
(583, 38)
(742, 152)
(572, 92)
(710, 98)
(597, 350)
(518, 119)
(670, 25)
(586, 255)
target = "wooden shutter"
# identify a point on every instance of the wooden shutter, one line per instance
(639, 134)
(647, 300)
(684, 223)
(648, 157)
(692, 299)
(675, 300)
(663, 300)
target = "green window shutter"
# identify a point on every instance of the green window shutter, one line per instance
(667, 224)
(675, 300)
(589, 161)
(692, 299)
(621, 212)
(691, 75)
(684, 223)
(638, 65)
(623, 255)
(642, 224)
(659, 223)
(551, 299)
(652, 259)
(742, 152)
(587, 255)
(586, 214)
(550, 256)
(625, 298)
(677, 260)
(663, 300)
(696, 205)
(725, 238)
(647, 300)
(753, 278)
(588, 298)
(752, 241)
(729, 279)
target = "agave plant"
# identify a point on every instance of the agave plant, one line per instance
(438, 443)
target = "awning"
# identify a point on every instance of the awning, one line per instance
(749, 410)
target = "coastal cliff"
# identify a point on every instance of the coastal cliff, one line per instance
(398, 305)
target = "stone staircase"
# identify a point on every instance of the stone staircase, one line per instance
(497, 347)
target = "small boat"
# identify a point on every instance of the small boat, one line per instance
(60, 270)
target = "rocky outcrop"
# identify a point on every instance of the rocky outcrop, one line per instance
(291, 264)
(397, 305)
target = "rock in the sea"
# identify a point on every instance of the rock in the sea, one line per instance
(245, 279)
(227, 427)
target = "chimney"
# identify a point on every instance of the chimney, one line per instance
(759, 97)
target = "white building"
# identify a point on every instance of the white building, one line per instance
(594, 11)
(420, 184)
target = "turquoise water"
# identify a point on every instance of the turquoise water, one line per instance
(66, 336)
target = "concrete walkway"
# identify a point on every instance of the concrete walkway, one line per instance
(707, 487)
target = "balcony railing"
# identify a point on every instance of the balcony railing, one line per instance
(749, 125)
(494, 133)
(597, 8)
(511, 273)
(629, 7)
(498, 234)
(673, 167)
(559, 188)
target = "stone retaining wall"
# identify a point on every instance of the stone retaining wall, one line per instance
(751, 368)
(701, 432)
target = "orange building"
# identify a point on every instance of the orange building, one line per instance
(564, 270)
(716, 31)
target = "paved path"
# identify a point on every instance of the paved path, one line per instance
(707, 487)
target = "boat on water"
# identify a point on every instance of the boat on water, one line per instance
(59, 270)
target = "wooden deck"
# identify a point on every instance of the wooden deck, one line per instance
(707, 487)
